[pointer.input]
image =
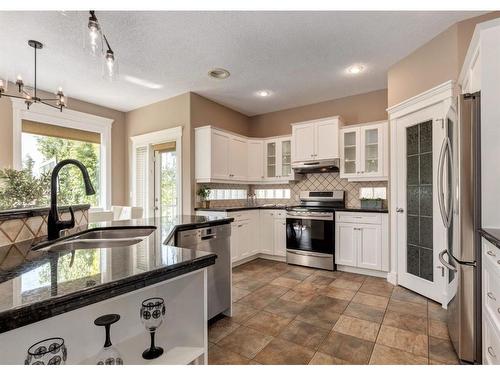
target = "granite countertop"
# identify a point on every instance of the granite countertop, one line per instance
(282, 207)
(243, 208)
(492, 235)
(38, 284)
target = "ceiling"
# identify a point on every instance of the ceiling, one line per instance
(300, 57)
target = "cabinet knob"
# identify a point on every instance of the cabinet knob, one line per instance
(491, 296)
(400, 210)
(491, 253)
(491, 352)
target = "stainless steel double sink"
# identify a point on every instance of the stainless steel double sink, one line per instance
(99, 238)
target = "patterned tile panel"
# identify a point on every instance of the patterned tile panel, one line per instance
(316, 181)
(18, 230)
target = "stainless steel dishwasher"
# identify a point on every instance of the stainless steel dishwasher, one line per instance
(214, 239)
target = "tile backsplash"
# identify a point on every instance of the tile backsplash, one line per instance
(314, 181)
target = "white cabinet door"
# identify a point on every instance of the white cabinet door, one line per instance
(327, 136)
(346, 243)
(235, 242)
(267, 231)
(370, 246)
(304, 142)
(280, 237)
(220, 152)
(255, 160)
(271, 159)
(238, 158)
(349, 153)
(371, 149)
(285, 154)
(244, 239)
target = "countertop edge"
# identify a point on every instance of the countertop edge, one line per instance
(24, 315)
(235, 209)
(486, 233)
(20, 213)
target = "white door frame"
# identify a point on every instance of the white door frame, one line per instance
(441, 95)
(149, 140)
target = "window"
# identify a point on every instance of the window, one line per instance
(43, 146)
(272, 193)
(372, 193)
(224, 194)
(80, 133)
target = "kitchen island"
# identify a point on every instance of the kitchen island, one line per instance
(46, 293)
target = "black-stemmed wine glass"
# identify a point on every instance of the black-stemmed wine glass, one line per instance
(152, 313)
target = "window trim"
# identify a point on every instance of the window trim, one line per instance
(69, 119)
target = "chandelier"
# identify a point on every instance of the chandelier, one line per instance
(29, 95)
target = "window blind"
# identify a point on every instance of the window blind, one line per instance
(39, 128)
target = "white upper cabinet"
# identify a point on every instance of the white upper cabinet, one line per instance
(222, 156)
(278, 159)
(364, 152)
(238, 155)
(316, 140)
(255, 160)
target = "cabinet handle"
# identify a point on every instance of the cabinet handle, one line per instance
(491, 296)
(491, 253)
(491, 352)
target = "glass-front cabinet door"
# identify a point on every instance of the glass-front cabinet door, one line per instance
(371, 151)
(349, 167)
(286, 158)
(271, 159)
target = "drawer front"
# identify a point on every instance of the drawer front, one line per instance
(358, 217)
(211, 213)
(491, 342)
(491, 256)
(241, 215)
(280, 213)
(491, 294)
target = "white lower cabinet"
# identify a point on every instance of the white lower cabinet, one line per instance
(280, 237)
(255, 232)
(491, 303)
(361, 240)
(267, 232)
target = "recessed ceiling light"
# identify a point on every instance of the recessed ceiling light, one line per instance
(263, 93)
(355, 69)
(219, 73)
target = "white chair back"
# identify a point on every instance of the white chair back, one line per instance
(97, 216)
(126, 212)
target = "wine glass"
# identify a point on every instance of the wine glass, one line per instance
(152, 313)
(50, 351)
(108, 355)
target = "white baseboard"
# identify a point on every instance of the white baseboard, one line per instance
(392, 277)
(362, 271)
(259, 255)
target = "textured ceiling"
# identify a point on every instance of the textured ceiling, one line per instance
(300, 56)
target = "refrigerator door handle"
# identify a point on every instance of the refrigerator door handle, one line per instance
(445, 151)
(444, 262)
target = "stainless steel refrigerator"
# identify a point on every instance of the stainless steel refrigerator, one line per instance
(459, 196)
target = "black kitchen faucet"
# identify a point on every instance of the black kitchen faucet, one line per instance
(54, 224)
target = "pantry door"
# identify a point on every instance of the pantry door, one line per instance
(420, 230)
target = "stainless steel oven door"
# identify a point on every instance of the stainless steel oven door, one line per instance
(310, 234)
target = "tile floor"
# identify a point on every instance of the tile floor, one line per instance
(295, 315)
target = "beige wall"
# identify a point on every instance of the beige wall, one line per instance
(166, 114)
(354, 109)
(435, 62)
(117, 140)
(207, 112)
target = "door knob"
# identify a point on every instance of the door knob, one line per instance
(400, 210)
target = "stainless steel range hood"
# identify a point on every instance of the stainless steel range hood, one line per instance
(324, 166)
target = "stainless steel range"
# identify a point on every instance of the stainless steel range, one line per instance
(310, 229)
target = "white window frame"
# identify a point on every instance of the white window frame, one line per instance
(69, 119)
(149, 140)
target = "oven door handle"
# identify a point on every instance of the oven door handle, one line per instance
(308, 254)
(320, 218)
